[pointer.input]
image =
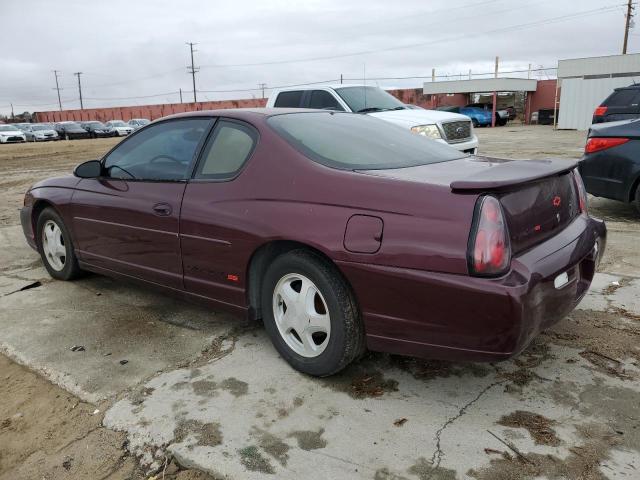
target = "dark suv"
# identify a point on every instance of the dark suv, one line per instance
(622, 104)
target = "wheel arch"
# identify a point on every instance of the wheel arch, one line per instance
(38, 206)
(634, 186)
(263, 256)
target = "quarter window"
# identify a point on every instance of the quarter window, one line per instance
(288, 99)
(227, 150)
(162, 152)
(324, 100)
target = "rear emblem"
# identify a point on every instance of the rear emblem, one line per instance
(556, 201)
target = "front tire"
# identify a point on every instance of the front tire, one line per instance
(637, 199)
(310, 314)
(55, 246)
(474, 122)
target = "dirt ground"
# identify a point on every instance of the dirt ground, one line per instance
(48, 433)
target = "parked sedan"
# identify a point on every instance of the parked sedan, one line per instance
(118, 128)
(137, 123)
(339, 232)
(38, 132)
(611, 162)
(70, 130)
(97, 129)
(10, 134)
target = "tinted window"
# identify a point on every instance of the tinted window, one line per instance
(227, 150)
(161, 152)
(622, 98)
(358, 141)
(288, 99)
(324, 100)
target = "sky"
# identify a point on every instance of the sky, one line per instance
(133, 52)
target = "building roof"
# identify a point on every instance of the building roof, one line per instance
(479, 85)
(616, 65)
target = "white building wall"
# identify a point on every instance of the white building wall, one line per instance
(580, 97)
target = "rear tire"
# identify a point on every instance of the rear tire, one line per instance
(55, 246)
(323, 308)
(637, 199)
(474, 122)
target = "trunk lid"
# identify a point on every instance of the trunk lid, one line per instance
(539, 197)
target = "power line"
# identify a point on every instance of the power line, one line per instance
(584, 13)
(192, 70)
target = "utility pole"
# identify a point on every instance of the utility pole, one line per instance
(262, 86)
(340, 79)
(192, 70)
(77, 74)
(180, 95)
(627, 25)
(12, 115)
(56, 72)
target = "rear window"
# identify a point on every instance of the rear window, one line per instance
(622, 98)
(288, 99)
(358, 142)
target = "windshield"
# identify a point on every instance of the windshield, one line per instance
(358, 142)
(96, 125)
(141, 121)
(40, 127)
(369, 99)
(118, 123)
(8, 128)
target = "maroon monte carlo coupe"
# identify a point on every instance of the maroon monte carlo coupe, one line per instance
(340, 231)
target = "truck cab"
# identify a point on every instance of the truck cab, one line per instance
(450, 128)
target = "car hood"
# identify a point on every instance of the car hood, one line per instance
(44, 132)
(477, 173)
(66, 181)
(411, 118)
(11, 133)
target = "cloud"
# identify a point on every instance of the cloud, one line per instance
(137, 49)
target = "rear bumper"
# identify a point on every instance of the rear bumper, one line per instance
(458, 317)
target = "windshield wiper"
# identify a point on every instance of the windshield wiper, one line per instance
(399, 107)
(370, 109)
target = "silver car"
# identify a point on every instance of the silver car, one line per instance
(39, 132)
(137, 123)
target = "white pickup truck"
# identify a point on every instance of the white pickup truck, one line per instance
(451, 128)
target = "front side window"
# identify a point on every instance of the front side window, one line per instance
(228, 148)
(358, 142)
(162, 152)
(324, 100)
(288, 99)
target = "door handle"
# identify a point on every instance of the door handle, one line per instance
(162, 209)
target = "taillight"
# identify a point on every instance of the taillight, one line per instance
(595, 144)
(599, 111)
(489, 247)
(582, 193)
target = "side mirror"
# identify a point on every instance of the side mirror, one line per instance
(90, 169)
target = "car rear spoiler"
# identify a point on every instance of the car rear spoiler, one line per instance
(511, 173)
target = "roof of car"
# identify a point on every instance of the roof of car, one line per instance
(328, 85)
(264, 112)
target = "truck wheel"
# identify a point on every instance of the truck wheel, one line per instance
(637, 198)
(310, 314)
(474, 122)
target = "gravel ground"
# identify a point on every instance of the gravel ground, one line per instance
(567, 408)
